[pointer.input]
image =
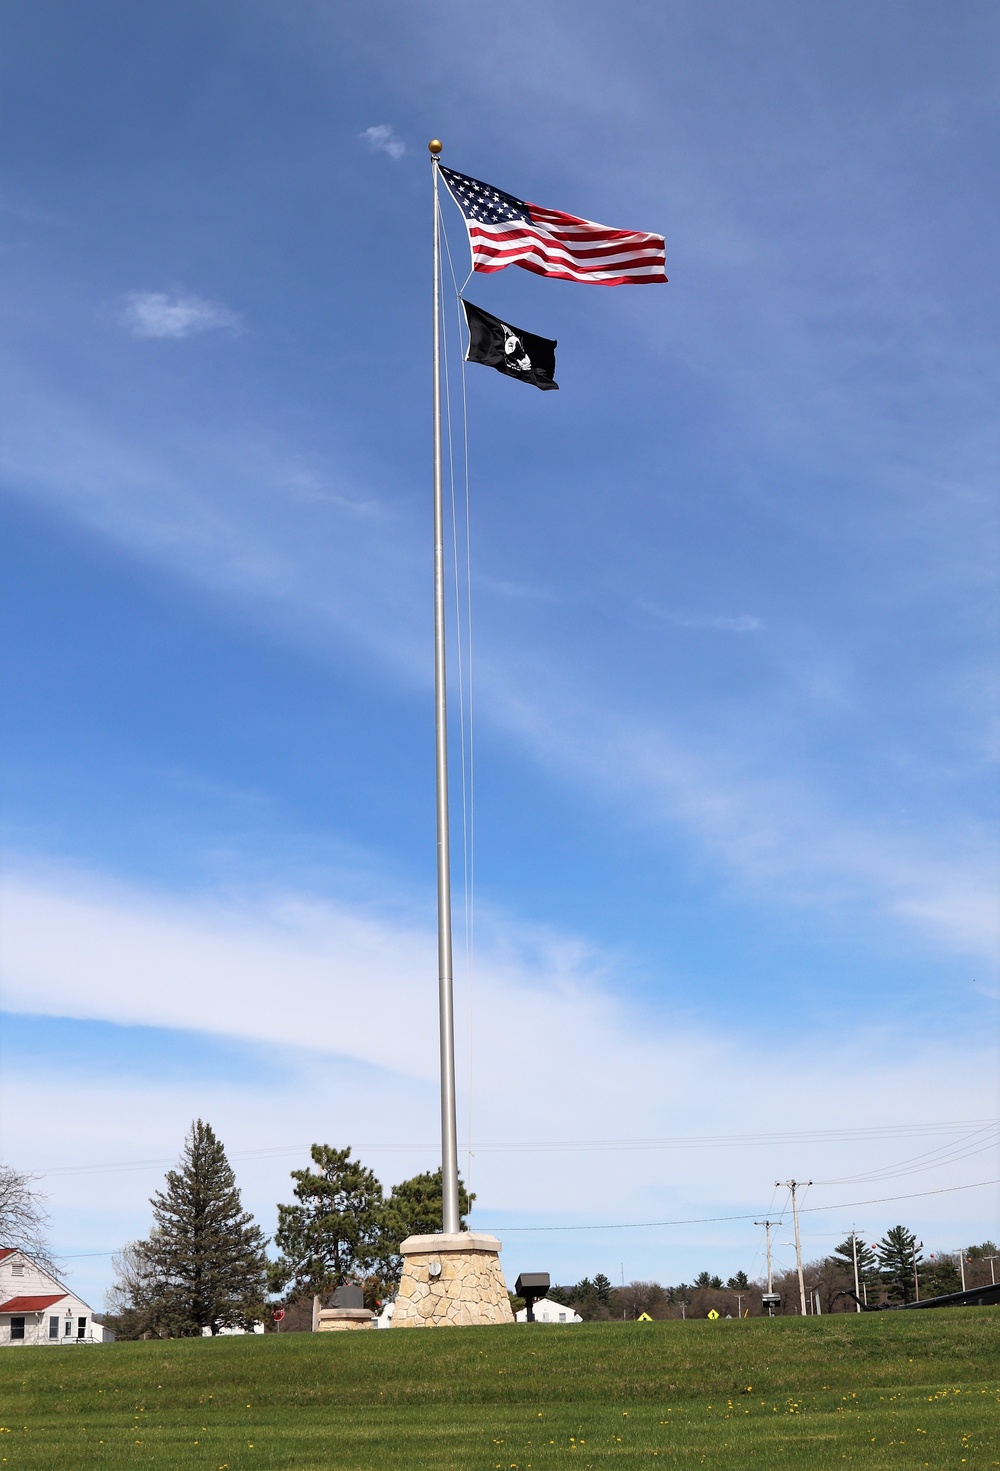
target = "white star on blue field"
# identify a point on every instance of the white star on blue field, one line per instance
(735, 617)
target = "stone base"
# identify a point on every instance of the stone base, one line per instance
(451, 1281)
(338, 1320)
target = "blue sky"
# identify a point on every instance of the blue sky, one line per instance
(735, 609)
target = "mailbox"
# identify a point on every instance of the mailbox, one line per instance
(770, 1301)
(532, 1286)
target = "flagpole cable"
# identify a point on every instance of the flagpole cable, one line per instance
(450, 1221)
(458, 598)
(469, 798)
(472, 754)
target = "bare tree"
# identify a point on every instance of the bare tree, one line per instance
(639, 1297)
(135, 1298)
(23, 1219)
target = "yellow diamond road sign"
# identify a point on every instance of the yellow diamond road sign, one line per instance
(713, 1314)
(643, 1318)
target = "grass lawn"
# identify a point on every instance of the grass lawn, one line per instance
(878, 1390)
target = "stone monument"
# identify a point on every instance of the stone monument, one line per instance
(451, 1279)
(346, 1312)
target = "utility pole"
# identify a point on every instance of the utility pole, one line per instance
(993, 1275)
(794, 1185)
(961, 1266)
(857, 1284)
(768, 1226)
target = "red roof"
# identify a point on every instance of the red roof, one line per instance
(31, 1304)
(6, 1251)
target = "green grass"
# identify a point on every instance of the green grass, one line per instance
(886, 1390)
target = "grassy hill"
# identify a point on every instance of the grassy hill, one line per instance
(879, 1390)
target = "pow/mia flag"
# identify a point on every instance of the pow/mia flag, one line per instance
(513, 352)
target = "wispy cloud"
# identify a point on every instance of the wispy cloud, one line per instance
(159, 314)
(382, 138)
(709, 622)
(781, 836)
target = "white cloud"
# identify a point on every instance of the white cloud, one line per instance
(352, 992)
(157, 314)
(383, 139)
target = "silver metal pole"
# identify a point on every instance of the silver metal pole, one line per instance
(451, 1220)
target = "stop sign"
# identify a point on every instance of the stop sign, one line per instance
(278, 1314)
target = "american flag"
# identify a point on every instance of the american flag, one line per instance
(504, 231)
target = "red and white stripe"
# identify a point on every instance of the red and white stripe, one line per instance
(571, 249)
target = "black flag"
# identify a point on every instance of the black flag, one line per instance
(518, 354)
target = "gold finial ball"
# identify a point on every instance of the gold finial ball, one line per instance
(435, 146)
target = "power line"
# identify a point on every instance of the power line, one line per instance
(711, 1220)
(556, 1146)
(944, 1154)
(689, 1221)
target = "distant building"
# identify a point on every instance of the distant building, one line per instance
(232, 1332)
(547, 1311)
(35, 1307)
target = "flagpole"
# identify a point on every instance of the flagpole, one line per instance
(451, 1220)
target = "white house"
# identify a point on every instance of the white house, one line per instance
(36, 1308)
(547, 1311)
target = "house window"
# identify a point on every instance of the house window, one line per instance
(17, 1269)
(562, 1317)
(53, 1327)
(81, 1327)
(16, 1328)
(68, 1328)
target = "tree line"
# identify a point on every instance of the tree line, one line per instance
(204, 1264)
(892, 1271)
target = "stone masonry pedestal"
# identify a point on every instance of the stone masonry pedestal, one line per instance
(451, 1281)
(339, 1320)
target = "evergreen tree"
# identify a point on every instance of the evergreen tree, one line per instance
(418, 1206)
(942, 1274)
(740, 1282)
(341, 1230)
(843, 1256)
(899, 1259)
(602, 1286)
(205, 1250)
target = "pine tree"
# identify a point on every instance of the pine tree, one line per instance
(341, 1229)
(603, 1288)
(205, 1249)
(740, 1282)
(418, 1204)
(942, 1274)
(843, 1256)
(899, 1255)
